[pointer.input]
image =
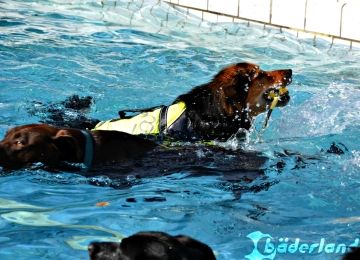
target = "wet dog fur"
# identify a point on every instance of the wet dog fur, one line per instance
(215, 110)
(353, 254)
(151, 245)
(236, 95)
(50, 145)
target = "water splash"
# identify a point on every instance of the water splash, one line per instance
(328, 111)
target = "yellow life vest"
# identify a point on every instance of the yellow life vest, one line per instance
(145, 123)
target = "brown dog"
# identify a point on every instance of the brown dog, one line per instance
(216, 110)
(151, 245)
(117, 154)
(50, 145)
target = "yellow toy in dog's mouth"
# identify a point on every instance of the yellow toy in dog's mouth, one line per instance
(274, 96)
(277, 92)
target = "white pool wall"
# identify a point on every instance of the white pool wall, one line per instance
(335, 20)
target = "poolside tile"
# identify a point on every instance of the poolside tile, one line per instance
(183, 9)
(258, 10)
(351, 22)
(341, 41)
(289, 13)
(224, 19)
(200, 4)
(305, 35)
(241, 21)
(231, 7)
(210, 17)
(324, 38)
(196, 13)
(289, 31)
(323, 16)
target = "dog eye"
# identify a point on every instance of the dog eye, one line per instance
(19, 144)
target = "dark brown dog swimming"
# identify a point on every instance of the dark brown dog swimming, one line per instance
(216, 110)
(151, 245)
(116, 154)
(50, 145)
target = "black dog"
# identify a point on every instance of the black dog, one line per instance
(354, 254)
(70, 113)
(151, 246)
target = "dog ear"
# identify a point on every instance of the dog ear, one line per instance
(238, 77)
(67, 145)
(246, 72)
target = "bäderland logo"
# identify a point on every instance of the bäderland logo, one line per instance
(265, 247)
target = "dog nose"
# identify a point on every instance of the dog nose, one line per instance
(288, 73)
(288, 76)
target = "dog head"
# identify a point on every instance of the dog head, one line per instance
(151, 245)
(105, 251)
(236, 95)
(246, 86)
(36, 143)
(352, 254)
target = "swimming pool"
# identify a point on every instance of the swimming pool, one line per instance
(145, 53)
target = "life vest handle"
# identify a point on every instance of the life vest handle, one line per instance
(122, 113)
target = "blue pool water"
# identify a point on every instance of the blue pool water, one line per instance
(145, 53)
